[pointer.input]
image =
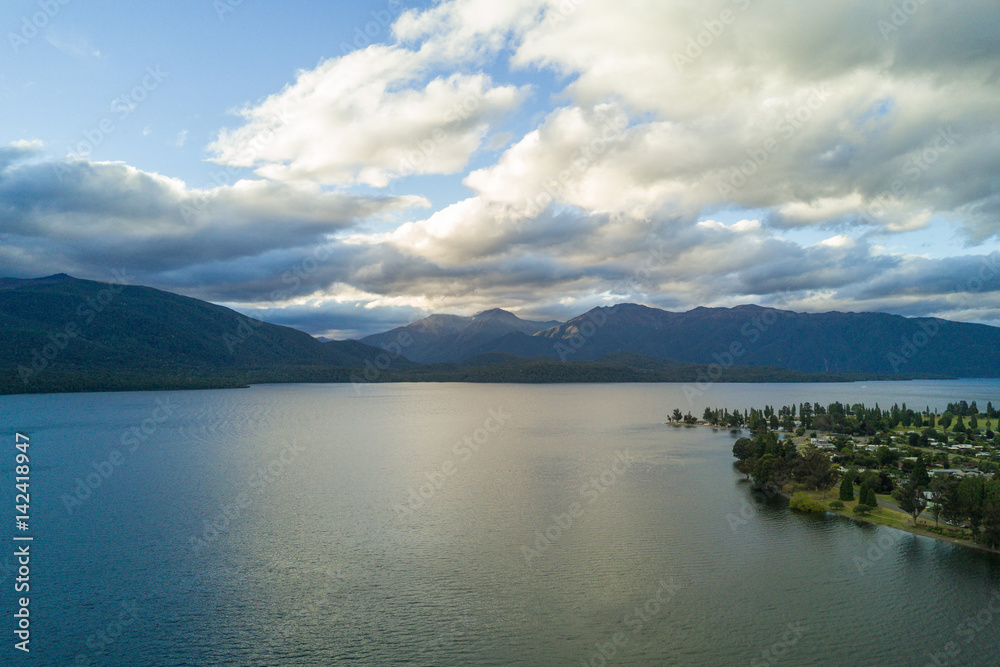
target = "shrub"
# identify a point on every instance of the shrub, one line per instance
(861, 508)
(804, 503)
(837, 505)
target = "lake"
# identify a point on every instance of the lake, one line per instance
(443, 524)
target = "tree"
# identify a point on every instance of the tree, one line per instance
(744, 466)
(919, 477)
(946, 493)
(743, 448)
(870, 499)
(971, 492)
(991, 514)
(676, 416)
(959, 426)
(756, 422)
(762, 471)
(884, 483)
(805, 415)
(912, 500)
(937, 496)
(847, 488)
(814, 469)
(767, 442)
(863, 493)
(885, 455)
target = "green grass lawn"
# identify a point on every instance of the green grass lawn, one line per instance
(889, 517)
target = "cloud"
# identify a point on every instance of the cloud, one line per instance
(87, 217)
(763, 105)
(469, 30)
(19, 151)
(72, 44)
(368, 117)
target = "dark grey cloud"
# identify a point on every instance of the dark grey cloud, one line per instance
(18, 152)
(956, 276)
(85, 217)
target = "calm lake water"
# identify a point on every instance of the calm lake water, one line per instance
(446, 524)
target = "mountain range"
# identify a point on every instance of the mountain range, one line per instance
(747, 335)
(453, 338)
(59, 333)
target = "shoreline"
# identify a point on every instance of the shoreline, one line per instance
(885, 516)
(918, 531)
(890, 519)
(905, 522)
(8, 387)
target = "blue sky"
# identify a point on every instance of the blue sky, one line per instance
(65, 80)
(345, 167)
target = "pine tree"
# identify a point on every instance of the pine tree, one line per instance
(919, 477)
(870, 499)
(847, 489)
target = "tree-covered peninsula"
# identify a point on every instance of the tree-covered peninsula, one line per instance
(920, 470)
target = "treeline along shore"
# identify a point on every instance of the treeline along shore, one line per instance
(925, 471)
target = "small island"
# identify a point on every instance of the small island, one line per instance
(916, 470)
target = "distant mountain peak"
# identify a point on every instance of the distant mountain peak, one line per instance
(494, 312)
(439, 324)
(454, 338)
(15, 283)
(441, 317)
(626, 307)
(750, 306)
(498, 315)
